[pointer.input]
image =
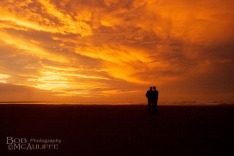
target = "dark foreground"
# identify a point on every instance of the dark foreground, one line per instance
(120, 130)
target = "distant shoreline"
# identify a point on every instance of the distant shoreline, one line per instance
(161, 103)
(110, 104)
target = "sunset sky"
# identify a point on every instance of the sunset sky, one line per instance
(111, 51)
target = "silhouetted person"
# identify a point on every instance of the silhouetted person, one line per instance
(155, 100)
(150, 97)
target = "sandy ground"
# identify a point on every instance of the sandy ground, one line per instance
(120, 130)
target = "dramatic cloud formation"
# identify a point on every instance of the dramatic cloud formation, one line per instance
(111, 51)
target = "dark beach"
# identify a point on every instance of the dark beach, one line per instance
(120, 130)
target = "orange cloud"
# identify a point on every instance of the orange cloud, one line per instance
(30, 48)
(48, 19)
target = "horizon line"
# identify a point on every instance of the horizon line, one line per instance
(176, 103)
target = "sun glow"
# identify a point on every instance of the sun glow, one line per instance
(3, 78)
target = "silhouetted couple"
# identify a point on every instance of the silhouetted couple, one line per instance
(152, 96)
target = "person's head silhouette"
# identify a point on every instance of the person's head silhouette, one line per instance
(154, 87)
